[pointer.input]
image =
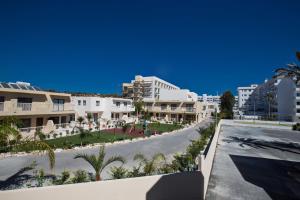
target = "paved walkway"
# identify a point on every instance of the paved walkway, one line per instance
(256, 163)
(168, 144)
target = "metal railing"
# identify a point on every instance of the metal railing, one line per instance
(25, 106)
(29, 129)
(188, 109)
(62, 125)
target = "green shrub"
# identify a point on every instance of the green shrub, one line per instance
(118, 172)
(296, 127)
(80, 176)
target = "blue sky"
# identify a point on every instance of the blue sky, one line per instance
(94, 46)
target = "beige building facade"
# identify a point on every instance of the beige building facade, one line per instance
(36, 109)
(175, 111)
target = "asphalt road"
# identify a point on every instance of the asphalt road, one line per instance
(169, 145)
(256, 163)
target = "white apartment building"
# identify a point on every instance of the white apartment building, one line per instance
(243, 95)
(164, 101)
(153, 88)
(103, 109)
(275, 99)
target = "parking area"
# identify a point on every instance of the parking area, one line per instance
(256, 163)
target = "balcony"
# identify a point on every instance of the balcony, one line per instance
(190, 109)
(1, 106)
(25, 106)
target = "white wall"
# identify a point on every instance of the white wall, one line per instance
(180, 95)
(286, 99)
(106, 107)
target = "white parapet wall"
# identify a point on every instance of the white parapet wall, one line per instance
(186, 185)
(206, 161)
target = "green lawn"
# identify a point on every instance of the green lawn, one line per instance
(95, 137)
(161, 128)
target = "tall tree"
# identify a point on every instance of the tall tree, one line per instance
(138, 105)
(227, 103)
(97, 161)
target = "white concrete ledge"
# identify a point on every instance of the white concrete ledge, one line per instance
(178, 186)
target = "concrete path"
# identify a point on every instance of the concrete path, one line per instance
(256, 163)
(168, 144)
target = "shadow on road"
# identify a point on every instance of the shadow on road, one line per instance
(255, 143)
(280, 179)
(17, 179)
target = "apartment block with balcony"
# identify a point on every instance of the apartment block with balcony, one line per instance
(103, 109)
(174, 110)
(163, 100)
(37, 109)
(149, 88)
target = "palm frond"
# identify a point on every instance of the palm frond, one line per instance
(101, 154)
(39, 146)
(113, 159)
(140, 157)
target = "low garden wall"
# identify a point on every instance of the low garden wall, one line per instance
(205, 161)
(186, 185)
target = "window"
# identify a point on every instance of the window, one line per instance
(298, 110)
(125, 104)
(79, 102)
(118, 104)
(173, 106)
(97, 103)
(24, 103)
(84, 102)
(58, 104)
(1, 103)
(298, 102)
(298, 94)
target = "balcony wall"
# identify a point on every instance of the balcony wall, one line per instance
(41, 104)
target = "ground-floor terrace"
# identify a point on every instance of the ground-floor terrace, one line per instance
(29, 124)
(176, 117)
(109, 120)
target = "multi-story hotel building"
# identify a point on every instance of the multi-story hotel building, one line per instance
(275, 99)
(36, 108)
(103, 109)
(146, 88)
(163, 100)
(243, 95)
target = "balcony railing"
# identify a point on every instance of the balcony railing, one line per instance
(1, 106)
(188, 109)
(62, 125)
(25, 106)
(173, 108)
(29, 129)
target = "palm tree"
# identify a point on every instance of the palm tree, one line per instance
(292, 70)
(97, 162)
(80, 120)
(150, 166)
(138, 107)
(9, 132)
(89, 118)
